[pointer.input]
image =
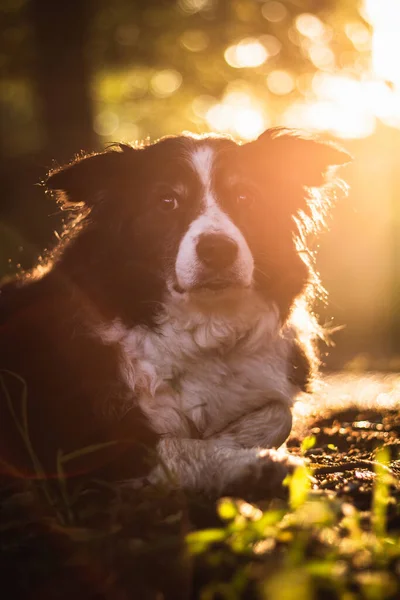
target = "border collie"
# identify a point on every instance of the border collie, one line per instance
(159, 342)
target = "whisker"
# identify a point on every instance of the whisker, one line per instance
(256, 268)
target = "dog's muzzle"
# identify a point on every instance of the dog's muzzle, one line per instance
(213, 260)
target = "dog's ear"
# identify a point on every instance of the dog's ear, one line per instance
(87, 178)
(300, 159)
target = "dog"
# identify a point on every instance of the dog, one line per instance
(159, 344)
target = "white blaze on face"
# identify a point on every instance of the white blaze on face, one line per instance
(188, 267)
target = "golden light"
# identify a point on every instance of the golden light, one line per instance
(129, 131)
(321, 56)
(384, 16)
(274, 11)
(238, 114)
(249, 511)
(249, 123)
(220, 117)
(347, 102)
(264, 546)
(249, 53)
(194, 40)
(369, 96)
(106, 123)
(166, 82)
(194, 6)
(341, 90)
(280, 82)
(272, 45)
(135, 85)
(320, 115)
(309, 25)
(202, 104)
(359, 35)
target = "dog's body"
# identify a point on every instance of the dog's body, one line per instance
(164, 322)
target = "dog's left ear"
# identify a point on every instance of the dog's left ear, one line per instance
(301, 159)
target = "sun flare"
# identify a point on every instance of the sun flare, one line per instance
(341, 102)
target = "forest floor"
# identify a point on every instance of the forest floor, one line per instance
(336, 535)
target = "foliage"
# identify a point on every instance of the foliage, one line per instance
(335, 537)
(321, 547)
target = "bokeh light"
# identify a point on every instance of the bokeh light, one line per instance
(238, 114)
(384, 16)
(202, 104)
(194, 40)
(166, 82)
(359, 36)
(106, 123)
(249, 52)
(274, 11)
(321, 56)
(280, 82)
(310, 25)
(345, 90)
(272, 45)
(194, 6)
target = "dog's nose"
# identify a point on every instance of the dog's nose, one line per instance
(216, 251)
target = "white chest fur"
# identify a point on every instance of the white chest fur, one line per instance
(205, 372)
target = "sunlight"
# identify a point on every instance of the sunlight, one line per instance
(166, 82)
(194, 40)
(384, 16)
(343, 102)
(341, 121)
(249, 52)
(238, 114)
(249, 123)
(274, 11)
(310, 25)
(345, 95)
(194, 6)
(280, 82)
(359, 35)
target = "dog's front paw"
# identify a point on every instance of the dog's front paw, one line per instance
(263, 477)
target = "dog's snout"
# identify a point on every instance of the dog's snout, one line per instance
(216, 251)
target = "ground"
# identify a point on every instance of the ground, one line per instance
(335, 533)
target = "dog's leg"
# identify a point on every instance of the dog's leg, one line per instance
(214, 468)
(267, 427)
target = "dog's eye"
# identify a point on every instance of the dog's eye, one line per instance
(243, 197)
(168, 203)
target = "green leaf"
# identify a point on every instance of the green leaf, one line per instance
(199, 541)
(206, 536)
(308, 443)
(326, 569)
(381, 493)
(227, 509)
(299, 487)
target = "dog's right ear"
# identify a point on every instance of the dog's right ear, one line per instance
(87, 178)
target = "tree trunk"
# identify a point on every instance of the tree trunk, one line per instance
(62, 75)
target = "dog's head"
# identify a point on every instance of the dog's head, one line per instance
(208, 219)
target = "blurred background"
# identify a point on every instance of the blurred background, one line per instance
(80, 74)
